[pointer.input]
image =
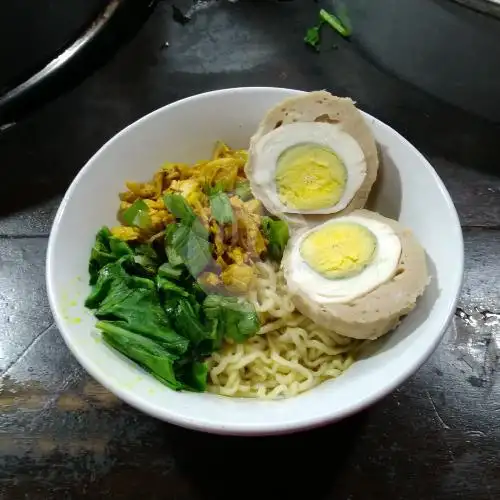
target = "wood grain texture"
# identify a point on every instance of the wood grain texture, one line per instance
(440, 425)
(63, 436)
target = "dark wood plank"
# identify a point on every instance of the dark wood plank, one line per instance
(476, 194)
(439, 425)
(24, 308)
(30, 221)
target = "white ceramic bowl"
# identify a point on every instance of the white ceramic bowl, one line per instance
(408, 189)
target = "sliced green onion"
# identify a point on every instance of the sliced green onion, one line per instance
(137, 215)
(335, 23)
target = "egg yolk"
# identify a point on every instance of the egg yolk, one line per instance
(339, 250)
(310, 177)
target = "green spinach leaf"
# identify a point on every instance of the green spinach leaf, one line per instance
(183, 311)
(170, 272)
(134, 302)
(177, 205)
(115, 271)
(106, 249)
(144, 351)
(188, 324)
(169, 289)
(119, 248)
(140, 312)
(193, 375)
(236, 318)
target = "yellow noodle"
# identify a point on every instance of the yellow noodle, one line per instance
(290, 355)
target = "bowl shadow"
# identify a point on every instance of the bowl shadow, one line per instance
(386, 198)
(386, 194)
(274, 467)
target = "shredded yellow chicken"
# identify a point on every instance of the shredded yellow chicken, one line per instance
(235, 247)
(238, 277)
(125, 233)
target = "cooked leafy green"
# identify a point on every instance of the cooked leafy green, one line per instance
(118, 247)
(243, 190)
(106, 249)
(130, 311)
(183, 308)
(146, 261)
(194, 288)
(149, 354)
(236, 318)
(171, 290)
(277, 234)
(168, 271)
(193, 375)
(114, 271)
(151, 308)
(137, 215)
(221, 209)
(187, 322)
(134, 303)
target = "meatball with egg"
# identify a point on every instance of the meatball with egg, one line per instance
(313, 156)
(357, 274)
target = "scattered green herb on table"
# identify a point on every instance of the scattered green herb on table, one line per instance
(313, 36)
(339, 23)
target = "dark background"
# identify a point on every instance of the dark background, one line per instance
(436, 437)
(32, 32)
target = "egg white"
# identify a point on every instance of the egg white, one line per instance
(268, 149)
(384, 264)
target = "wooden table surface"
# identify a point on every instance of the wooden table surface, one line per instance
(64, 436)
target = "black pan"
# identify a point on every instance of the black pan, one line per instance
(48, 46)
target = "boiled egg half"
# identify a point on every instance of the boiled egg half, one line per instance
(356, 275)
(342, 259)
(308, 168)
(312, 156)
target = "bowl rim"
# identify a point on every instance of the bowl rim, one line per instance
(248, 428)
